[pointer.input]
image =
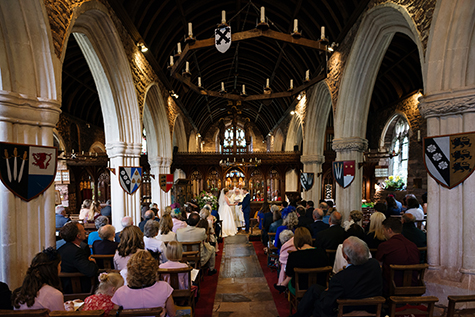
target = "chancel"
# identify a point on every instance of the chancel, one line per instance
(200, 120)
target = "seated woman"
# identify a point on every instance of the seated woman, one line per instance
(154, 246)
(41, 285)
(143, 289)
(291, 221)
(353, 226)
(109, 283)
(174, 253)
(205, 214)
(376, 230)
(131, 240)
(85, 207)
(94, 212)
(287, 239)
(306, 256)
(206, 248)
(165, 232)
(276, 218)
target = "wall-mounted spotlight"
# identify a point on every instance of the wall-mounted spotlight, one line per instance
(292, 113)
(173, 94)
(142, 47)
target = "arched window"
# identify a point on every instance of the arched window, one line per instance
(400, 149)
(231, 138)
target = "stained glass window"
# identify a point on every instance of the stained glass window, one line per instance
(400, 148)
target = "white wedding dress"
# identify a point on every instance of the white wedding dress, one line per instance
(226, 214)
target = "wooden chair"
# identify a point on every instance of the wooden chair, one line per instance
(409, 272)
(272, 253)
(76, 285)
(331, 255)
(27, 313)
(104, 261)
(423, 254)
(460, 299)
(416, 300)
(313, 274)
(82, 313)
(377, 301)
(190, 247)
(156, 311)
(173, 279)
(373, 252)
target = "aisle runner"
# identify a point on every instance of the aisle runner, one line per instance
(280, 300)
(242, 288)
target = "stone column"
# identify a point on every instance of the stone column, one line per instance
(123, 204)
(160, 165)
(451, 244)
(25, 227)
(313, 164)
(349, 149)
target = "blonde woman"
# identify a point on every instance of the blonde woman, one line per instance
(85, 207)
(165, 232)
(109, 283)
(376, 230)
(174, 254)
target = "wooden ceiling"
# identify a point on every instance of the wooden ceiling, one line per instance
(163, 23)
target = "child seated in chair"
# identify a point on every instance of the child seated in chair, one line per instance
(109, 283)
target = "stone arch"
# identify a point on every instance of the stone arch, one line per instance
(385, 139)
(97, 147)
(179, 135)
(193, 142)
(294, 134)
(372, 40)
(278, 141)
(59, 139)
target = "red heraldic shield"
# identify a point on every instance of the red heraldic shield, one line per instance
(166, 182)
(344, 172)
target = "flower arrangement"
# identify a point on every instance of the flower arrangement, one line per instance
(205, 197)
(394, 183)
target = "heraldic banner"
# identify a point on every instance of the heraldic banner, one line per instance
(166, 182)
(130, 178)
(306, 179)
(27, 170)
(344, 172)
(450, 159)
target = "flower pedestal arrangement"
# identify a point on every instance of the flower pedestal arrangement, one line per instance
(205, 198)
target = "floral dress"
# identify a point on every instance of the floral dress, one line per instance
(99, 301)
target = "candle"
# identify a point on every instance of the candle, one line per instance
(296, 26)
(178, 45)
(234, 160)
(243, 89)
(291, 84)
(171, 60)
(199, 81)
(190, 29)
(263, 15)
(222, 86)
(82, 152)
(187, 67)
(72, 151)
(307, 74)
(267, 83)
(418, 135)
(323, 33)
(223, 17)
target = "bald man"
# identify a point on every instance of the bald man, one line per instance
(330, 238)
(318, 224)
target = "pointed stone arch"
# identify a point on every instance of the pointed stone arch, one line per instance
(278, 141)
(193, 142)
(294, 134)
(179, 135)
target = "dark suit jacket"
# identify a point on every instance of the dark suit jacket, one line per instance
(330, 238)
(318, 226)
(75, 259)
(106, 211)
(354, 282)
(414, 234)
(304, 222)
(246, 203)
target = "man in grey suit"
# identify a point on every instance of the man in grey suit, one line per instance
(191, 234)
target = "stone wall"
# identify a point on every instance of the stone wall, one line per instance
(89, 133)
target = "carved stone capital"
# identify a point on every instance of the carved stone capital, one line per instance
(123, 149)
(312, 159)
(350, 144)
(447, 103)
(158, 161)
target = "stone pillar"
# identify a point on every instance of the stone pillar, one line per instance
(313, 164)
(349, 149)
(160, 165)
(123, 204)
(451, 251)
(25, 227)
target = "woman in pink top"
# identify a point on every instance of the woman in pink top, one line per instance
(287, 239)
(40, 288)
(131, 240)
(174, 253)
(143, 289)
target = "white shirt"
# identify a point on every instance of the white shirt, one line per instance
(416, 212)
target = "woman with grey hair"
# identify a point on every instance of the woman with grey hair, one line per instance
(287, 239)
(154, 246)
(290, 222)
(99, 223)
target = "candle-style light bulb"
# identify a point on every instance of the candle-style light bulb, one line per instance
(296, 26)
(171, 61)
(323, 33)
(223, 17)
(187, 67)
(199, 81)
(267, 83)
(178, 45)
(291, 84)
(307, 74)
(263, 15)
(243, 89)
(190, 29)
(222, 86)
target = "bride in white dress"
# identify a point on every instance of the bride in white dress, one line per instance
(226, 214)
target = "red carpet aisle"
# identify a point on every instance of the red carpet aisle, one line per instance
(280, 300)
(204, 306)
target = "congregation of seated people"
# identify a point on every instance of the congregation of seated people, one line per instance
(135, 254)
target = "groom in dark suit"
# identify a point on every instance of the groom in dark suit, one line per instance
(246, 207)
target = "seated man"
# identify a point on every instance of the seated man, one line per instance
(149, 214)
(330, 238)
(61, 218)
(75, 258)
(411, 232)
(361, 279)
(191, 234)
(396, 250)
(318, 224)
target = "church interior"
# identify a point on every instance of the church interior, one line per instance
(263, 95)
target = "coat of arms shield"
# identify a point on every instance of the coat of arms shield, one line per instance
(344, 172)
(166, 182)
(222, 38)
(306, 179)
(130, 178)
(27, 170)
(450, 159)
